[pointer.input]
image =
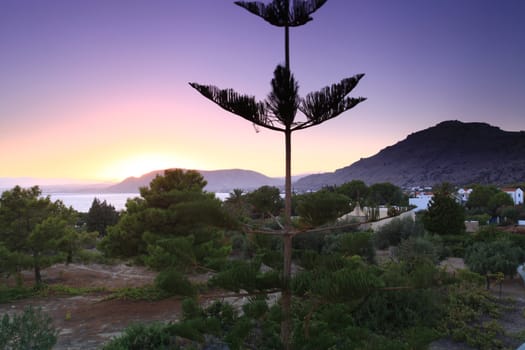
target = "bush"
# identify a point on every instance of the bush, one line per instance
(497, 256)
(398, 229)
(143, 337)
(33, 329)
(174, 282)
(414, 250)
(351, 243)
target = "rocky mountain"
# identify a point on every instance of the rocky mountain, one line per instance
(218, 181)
(452, 151)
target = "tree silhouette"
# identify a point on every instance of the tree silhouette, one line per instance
(279, 110)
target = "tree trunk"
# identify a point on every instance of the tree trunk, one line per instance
(286, 296)
(38, 276)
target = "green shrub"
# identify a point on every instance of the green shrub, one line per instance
(416, 249)
(396, 230)
(174, 282)
(148, 292)
(8, 294)
(143, 337)
(32, 329)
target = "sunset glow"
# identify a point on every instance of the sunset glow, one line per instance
(99, 89)
(140, 164)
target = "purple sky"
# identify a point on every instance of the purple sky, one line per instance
(97, 89)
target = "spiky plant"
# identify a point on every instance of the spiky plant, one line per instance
(279, 110)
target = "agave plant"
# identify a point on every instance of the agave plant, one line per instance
(278, 111)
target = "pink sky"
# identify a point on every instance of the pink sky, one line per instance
(98, 89)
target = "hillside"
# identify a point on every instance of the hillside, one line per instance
(218, 181)
(452, 151)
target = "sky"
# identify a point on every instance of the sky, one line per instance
(98, 89)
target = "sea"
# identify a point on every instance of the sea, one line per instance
(82, 201)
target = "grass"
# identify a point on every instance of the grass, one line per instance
(148, 292)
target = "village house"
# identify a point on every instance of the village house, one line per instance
(420, 200)
(463, 194)
(515, 193)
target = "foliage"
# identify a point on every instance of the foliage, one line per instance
(174, 282)
(499, 200)
(143, 337)
(245, 275)
(59, 289)
(175, 224)
(34, 231)
(321, 207)
(385, 193)
(355, 190)
(480, 196)
(335, 277)
(390, 312)
(237, 204)
(417, 250)
(10, 294)
(455, 245)
(148, 292)
(509, 214)
(483, 219)
(500, 255)
(444, 216)
(100, 216)
(33, 329)
(396, 230)
(465, 305)
(350, 244)
(266, 201)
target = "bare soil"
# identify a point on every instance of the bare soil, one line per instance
(90, 320)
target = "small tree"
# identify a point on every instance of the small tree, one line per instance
(237, 203)
(321, 207)
(100, 216)
(478, 200)
(444, 216)
(32, 227)
(175, 224)
(501, 255)
(266, 201)
(497, 201)
(385, 193)
(355, 190)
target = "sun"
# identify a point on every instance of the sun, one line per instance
(140, 164)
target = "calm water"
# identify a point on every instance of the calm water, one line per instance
(82, 201)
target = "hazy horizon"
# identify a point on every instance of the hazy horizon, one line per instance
(98, 90)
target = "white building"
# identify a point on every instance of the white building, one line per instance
(421, 200)
(515, 193)
(463, 194)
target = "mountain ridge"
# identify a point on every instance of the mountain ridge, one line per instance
(451, 151)
(224, 180)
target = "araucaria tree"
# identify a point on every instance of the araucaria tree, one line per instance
(278, 112)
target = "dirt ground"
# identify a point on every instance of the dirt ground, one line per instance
(90, 320)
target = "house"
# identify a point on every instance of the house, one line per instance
(420, 200)
(515, 193)
(463, 194)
